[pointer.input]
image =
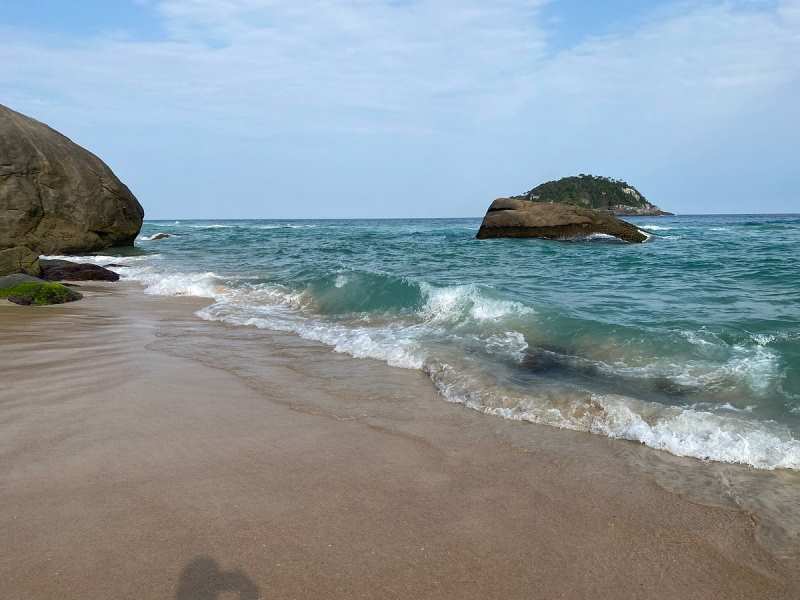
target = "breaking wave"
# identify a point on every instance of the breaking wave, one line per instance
(453, 332)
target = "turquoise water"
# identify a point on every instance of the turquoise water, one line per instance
(689, 343)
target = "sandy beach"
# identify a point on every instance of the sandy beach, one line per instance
(147, 454)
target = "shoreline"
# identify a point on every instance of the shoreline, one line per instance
(167, 439)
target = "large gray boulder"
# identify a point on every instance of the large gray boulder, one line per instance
(56, 197)
(512, 217)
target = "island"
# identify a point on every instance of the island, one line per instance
(580, 207)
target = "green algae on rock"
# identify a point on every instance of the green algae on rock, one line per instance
(36, 292)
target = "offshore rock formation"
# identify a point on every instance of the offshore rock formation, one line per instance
(512, 217)
(55, 196)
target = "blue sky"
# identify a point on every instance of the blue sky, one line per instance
(415, 108)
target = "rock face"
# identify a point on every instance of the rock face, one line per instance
(56, 197)
(512, 217)
(19, 260)
(61, 270)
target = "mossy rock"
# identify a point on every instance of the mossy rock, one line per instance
(39, 293)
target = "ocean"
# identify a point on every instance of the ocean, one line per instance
(688, 343)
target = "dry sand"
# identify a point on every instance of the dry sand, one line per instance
(147, 454)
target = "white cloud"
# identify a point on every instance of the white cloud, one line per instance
(414, 64)
(329, 64)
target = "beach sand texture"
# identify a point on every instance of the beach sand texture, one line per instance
(146, 454)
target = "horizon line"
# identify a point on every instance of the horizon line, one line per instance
(744, 214)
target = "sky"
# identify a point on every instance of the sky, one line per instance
(415, 108)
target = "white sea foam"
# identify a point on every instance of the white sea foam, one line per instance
(286, 226)
(683, 432)
(509, 343)
(696, 338)
(150, 238)
(100, 259)
(454, 303)
(757, 367)
(201, 285)
(653, 227)
(732, 408)
(602, 236)
(699, 434)
(763, 339)
(393, 345)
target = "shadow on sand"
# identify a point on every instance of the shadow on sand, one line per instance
(202, 579)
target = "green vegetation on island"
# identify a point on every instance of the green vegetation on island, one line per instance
(590, 191)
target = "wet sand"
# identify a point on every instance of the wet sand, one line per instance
(147, 454)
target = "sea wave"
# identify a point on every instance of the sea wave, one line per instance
(457, 303)
(416, 325)
(150, 238)
(103, 259)
(286, 226)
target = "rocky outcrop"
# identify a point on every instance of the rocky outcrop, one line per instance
(512, 217)
(65, 270)
(19, 260)
(55, 196)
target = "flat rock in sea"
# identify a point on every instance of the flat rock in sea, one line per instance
(60, 270)
(57, 197)
(512, 217)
